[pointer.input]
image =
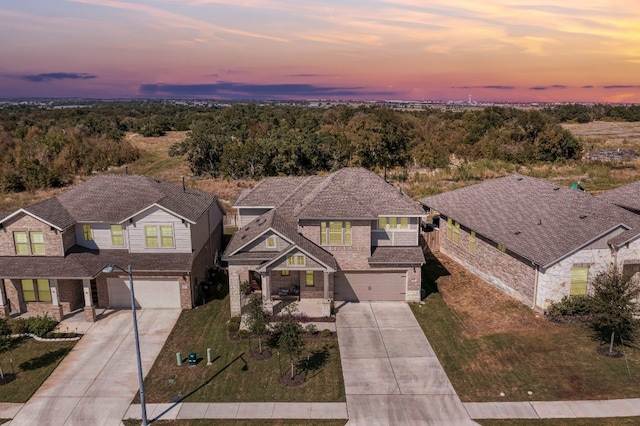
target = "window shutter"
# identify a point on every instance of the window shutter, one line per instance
(449, 226)
(579, 281)
(323, 233)
(472, 242)
(347, 233)
(456, 233)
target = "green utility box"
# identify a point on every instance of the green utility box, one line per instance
(193, 358)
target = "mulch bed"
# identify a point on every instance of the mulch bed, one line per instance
(604, 350)
(287, 380)
(257, 356)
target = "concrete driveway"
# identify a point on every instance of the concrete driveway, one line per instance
(391, 374)
(96, 382)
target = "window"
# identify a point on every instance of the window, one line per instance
(404, 223)
(382, 222)
(117, 235)
(299, 259)
(37, 242)
(309, 278)
(291, 261)
(86, 232)
(472, 242)
(271, 242)
(579, 277)
(449, 228)
(284, 273)
(296, 260)
(166, 236)
(335, 233)
(150, 236)
(36, 290)
(456, 233)
(502, 248)
(21, 242)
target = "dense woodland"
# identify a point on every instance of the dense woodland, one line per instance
(48, 147)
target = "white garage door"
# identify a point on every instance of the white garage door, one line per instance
(370, 286)
(149, 293)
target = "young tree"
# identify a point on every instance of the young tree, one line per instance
(615, 301)
(290, 336)
(257, 319)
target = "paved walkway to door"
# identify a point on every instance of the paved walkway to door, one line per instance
(391, 374)
(96, 382)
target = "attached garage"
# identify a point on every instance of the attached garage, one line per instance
(149, 293)
(370, 286)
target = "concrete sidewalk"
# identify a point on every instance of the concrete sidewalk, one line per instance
(241, 410)
(554, 409)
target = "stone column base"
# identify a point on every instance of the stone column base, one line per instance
(5, 311)
(326, 308)
(268, 306)
(90, 314)
(56, 313)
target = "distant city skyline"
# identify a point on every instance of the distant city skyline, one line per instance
(493, 50)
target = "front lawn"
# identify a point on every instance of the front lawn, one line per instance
(27, 364)
(489, 343)
(234, 376)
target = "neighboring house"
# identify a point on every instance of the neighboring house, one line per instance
(536, 240)
(346, 236)
(52, 253)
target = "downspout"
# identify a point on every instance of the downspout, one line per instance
(535, 288)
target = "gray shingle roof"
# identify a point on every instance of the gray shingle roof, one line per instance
(84, 263)
(114, 198)
(397, 256)
(538, 220)
(273, 220)
(347, 193)
(627, 196)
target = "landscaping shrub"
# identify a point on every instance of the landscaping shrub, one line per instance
(243, 334)
(326, 333)
(311, 329)
(576, 308)
(41, 325)
(19, 325)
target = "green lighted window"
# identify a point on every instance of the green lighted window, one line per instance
(291, 261)
(37, 242)
(117, 235)
(456, 233)
(382, 222)
(472, 242)
(21, 243)
(404, 223)
(449, 228)
(284, 273)
(309, 278)
(166, 235)
(86, 232)
(300, 259)
(579, 280)
(150, 236)
(36, 290)
(502, 248)
(337, 233)
(271, 242)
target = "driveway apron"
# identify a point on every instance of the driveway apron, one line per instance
(96, 382)
(391, 374)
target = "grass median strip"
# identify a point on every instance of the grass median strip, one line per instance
(233, 375)
(490, 344)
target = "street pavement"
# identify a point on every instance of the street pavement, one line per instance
(96, 382)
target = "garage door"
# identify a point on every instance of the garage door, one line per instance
(149, 293)
(369, 286)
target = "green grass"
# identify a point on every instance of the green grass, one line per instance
(241, 422)
(29, 362)
(234, 376)
(609, 421)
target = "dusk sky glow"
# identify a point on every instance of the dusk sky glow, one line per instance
(494, 50)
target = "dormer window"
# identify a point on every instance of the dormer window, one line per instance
(86, 232)
(271, 242)
(297, 260)
(21, 242)
(117, 236)
(392, 223)
(27, 243)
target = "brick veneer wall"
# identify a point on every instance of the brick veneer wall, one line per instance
(70, 295)
(353, 257)
(23, 222)
(504, 270)
(14, 295)
(316, 291)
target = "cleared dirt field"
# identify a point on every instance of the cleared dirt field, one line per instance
(607, 134)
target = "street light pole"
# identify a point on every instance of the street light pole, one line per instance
(137, 342)
(136, 339)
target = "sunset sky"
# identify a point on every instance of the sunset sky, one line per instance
(494, 50)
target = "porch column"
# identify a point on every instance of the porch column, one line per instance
(89, 309)
(266, 292)
(56, 312)
(5, 309)
(326, 301)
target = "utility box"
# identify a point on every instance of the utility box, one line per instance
(193, 358)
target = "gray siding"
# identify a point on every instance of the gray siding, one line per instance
(156, 216)
(245, 216)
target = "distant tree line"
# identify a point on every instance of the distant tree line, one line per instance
(48, 147)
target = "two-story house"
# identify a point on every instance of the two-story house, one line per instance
(53, 253)
(347, 236)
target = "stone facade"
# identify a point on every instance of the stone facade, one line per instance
(504, 270)
(23, 222)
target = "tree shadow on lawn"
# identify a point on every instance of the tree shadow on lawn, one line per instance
(311, 366)
(430, 272)
(44, 360)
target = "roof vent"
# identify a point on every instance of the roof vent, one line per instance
(539, 221)
(519, 178)
(261, 221)
(517, 233)
(582, 216)
(556, 188)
